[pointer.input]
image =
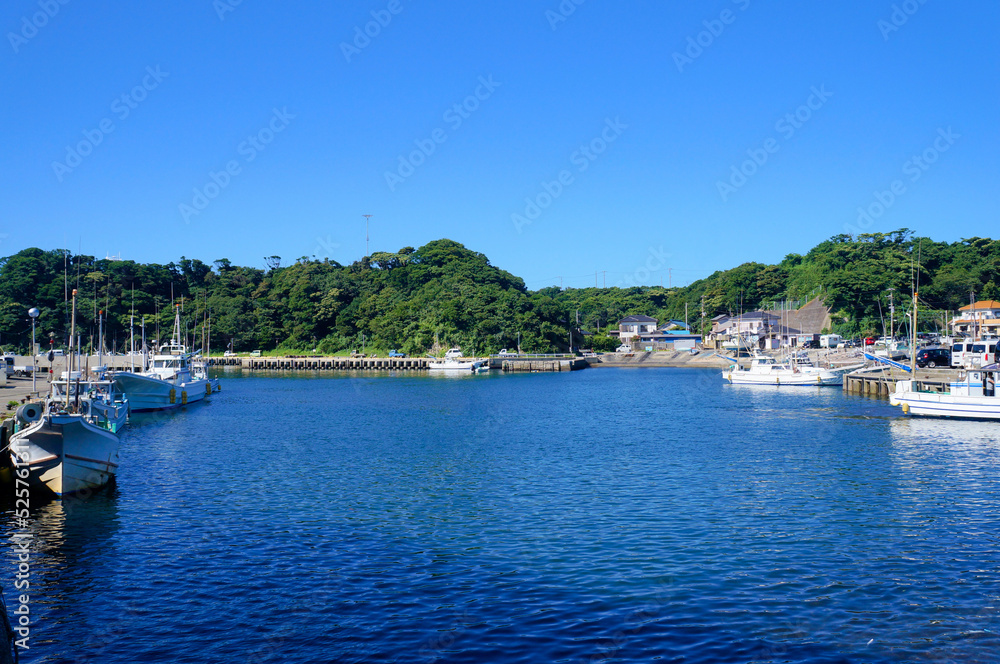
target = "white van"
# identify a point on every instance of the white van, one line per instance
(973, 353)
(830, 340)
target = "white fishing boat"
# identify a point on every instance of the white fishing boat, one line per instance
(69, 442)
(972, 396)
(170, 379)
(765, 370)
(451, 364)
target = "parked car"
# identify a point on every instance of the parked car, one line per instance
(507, 353)
(229, 353)
(812, 343)
(624, 348)
(869, 341)
(933, 357)
(396, 353)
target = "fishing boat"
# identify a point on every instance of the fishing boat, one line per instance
(169, 380)
(451, 364)
(69, 442)
(972, 396)
(765, 370)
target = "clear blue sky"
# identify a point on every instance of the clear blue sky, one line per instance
(329, 122)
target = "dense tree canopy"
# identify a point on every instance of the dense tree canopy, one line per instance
(443, 294)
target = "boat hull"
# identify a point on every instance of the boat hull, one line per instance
(784, 378)
(451, 366)
(147, 393)
(932, 404)
(66, 454)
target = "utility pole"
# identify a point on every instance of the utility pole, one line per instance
(670, 277)
(702, 314)
(367, 217)
(595, 278)
(605, 273)
(569, 322)
(686, 326)
(972, 312)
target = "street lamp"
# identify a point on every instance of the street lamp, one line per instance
(33, 312)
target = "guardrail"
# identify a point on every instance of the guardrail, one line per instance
(528, 356)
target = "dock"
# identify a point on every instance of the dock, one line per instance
(521, 363)
(883, 383)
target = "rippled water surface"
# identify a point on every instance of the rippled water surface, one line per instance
(609, 514)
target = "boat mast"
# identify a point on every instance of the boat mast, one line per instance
(913, 335)
(131, 333)
(100, 335)
(176, 339)
(72, 333)
(131, 337)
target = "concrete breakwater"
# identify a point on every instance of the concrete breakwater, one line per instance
(534, 363)
(323, 363)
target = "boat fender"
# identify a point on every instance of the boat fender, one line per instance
(184, 397)
(28, 413)
(906, 408)
(173, 395)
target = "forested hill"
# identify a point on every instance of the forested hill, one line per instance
(443, 294)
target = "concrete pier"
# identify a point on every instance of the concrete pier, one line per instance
(323, 363)
(883, 383)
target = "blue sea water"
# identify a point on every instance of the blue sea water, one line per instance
(604, 515)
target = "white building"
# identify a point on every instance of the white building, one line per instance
(978, 319)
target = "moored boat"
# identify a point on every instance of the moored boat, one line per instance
(451, 364)
(972, 396)
(70, 442)
(169, 381)
(765, 370)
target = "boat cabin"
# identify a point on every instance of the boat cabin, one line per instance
(977, 383)
(167, 362)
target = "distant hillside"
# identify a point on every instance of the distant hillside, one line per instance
(852, 274)
(444, 294)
